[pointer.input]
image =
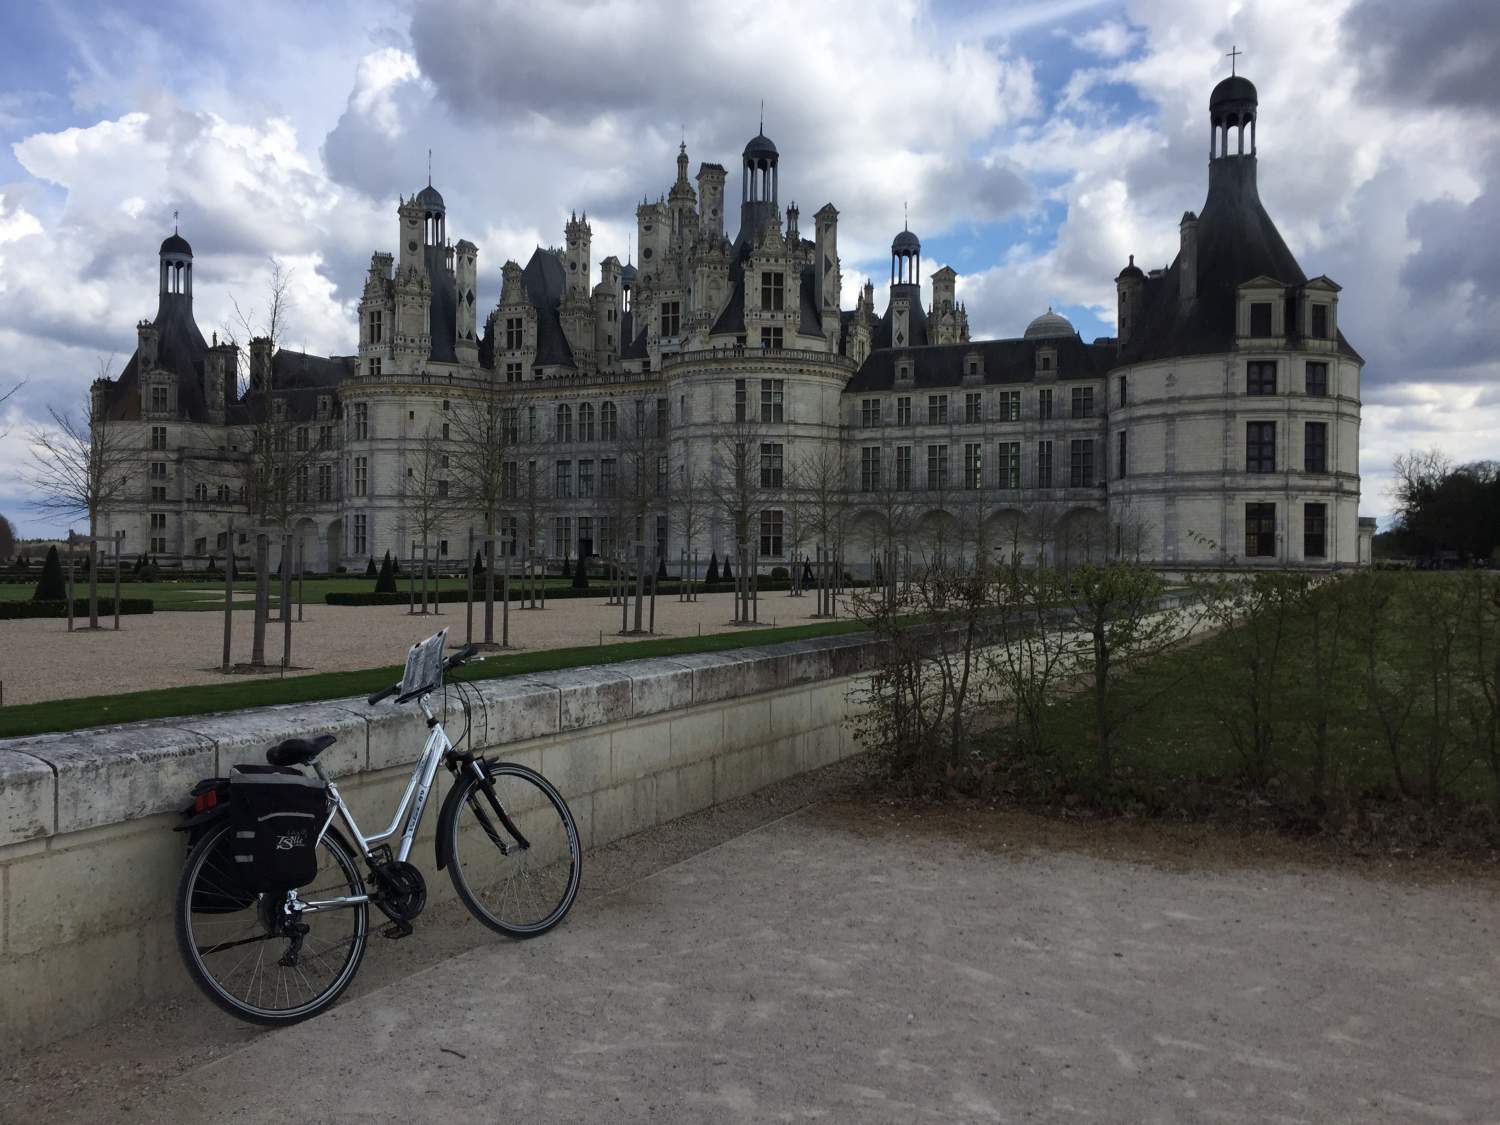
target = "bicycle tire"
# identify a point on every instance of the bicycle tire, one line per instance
(471, 851)
(193, 883)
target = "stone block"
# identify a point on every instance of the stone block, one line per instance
(746, 724)
(696, 735)
(718, 676)
(790, 713)
(591, 697)
(821, 746)
(624, 810)
(657, 686)
(640, 750)
(242, 738)
(517, 710)
(578, 765)
(117, 773)
(28, 798)
(684, 790)
(111, 880)
(800, 662)
(67, 988)
(394, 735)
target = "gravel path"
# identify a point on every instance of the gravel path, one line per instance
(41, 660)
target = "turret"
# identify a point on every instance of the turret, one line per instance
(466, 278)
(260, 363)
(826, 263)
(711, 200)
(759, 185)
(1128, 289)
(1187, 259)
(176, 270)
(579, 237)
(146, 342)
(219, 370)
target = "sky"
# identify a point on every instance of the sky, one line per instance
(1034, 145)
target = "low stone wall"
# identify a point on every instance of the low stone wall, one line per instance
(89, 864)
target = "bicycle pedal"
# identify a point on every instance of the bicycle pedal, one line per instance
(396, 930)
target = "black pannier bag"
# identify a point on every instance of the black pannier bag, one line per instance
(275, 820)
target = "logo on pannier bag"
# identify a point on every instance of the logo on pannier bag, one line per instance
(291, 841)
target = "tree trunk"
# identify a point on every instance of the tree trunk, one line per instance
(93, 574)
(262, 598)
(489, 580)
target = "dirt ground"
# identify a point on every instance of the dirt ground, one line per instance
(816, 951)
(41, 660)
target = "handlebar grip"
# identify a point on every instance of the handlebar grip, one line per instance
(460, 656)
(383, 694)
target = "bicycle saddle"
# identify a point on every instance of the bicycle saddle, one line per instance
(297, 751)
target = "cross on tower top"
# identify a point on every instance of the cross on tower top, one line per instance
(763, 117)
(1233, 55)
(429, 167)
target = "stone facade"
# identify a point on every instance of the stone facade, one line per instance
(1221, 425)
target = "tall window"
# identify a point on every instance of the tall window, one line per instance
(1081, 463)
(361, 475)
(1260, 318)
(869, 412)
(325, 482)
(770, 532)
(739, 400)
(1260, 530)
(663, 416)
(770, 464)
(1044, 403)
(903, 467)
(513, 371)
(361, 534)
(608, 477)
(773, 291)
(1121, 455)
(973, 465)
(158, 437)
(1009, 464)
(609, 428)
(377, 329)
(564, 479)
(374, 363)
(361, 421)
(1314, 531)
(1317, 379)
(515, 333)
(671, 318)
(564, 422)
(869, 469)
(1083, 402)
(562, 536)
(1315, 447)
(510, 477)
(1260, 447)
(1044, 464)
(325, 437)
(158, 470)
(1120, 382)
(661, 476)
(973, 407)
(585, 478)
(1260, 377)
(585, 421)
(903, 410)
(1010, 406)
(1319, 322)
(937, 467)
(159, 400)
(302, 492)
(772, 392)
(937, 410)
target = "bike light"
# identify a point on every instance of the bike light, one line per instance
(205, 801)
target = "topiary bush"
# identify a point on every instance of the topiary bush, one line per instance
(370, 569)
(712, 575)
(51, 587)
(385, 582)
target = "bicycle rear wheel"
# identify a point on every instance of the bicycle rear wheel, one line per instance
(513, 850)
(237, 944)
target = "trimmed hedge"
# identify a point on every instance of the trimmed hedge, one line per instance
(663, 588)
(10, 611)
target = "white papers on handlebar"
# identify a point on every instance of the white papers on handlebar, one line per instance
(424, 665)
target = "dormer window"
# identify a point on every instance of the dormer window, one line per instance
(1046, 363)
(1318, 329)
(903, 371)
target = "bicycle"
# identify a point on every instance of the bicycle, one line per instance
(505, 836)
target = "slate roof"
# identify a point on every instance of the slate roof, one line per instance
(917, 320)
(1005, 361)
(180, 349)
(298, 379)
(443, 315)
(1237, 241)
(544, 281)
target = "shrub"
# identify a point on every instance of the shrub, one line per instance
(51, 587)
(385, 582)
(728, 574)
(581, 575)
(712, 575)
(11, 611)
(370, 570)
(779, 572)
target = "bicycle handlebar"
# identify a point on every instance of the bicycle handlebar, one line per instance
(383, 694)
(451, 663)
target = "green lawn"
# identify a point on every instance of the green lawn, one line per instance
(237, 693)
(208, 595)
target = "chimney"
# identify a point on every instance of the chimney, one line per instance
(260, 363)
(1187, 259)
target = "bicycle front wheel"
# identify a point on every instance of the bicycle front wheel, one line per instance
(513, 850)
(248, 955)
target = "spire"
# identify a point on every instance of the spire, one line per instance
(174, 220)
(762, 129)
(429, 167)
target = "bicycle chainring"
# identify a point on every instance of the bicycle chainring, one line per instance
(403, 891)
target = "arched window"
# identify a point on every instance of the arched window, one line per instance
(564, 423)
(608, 422)
(585, 422)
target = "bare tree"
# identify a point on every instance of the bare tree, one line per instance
(691, 498)
(80, 467)
(485, 427)
(824, 477)
(5, 397)
(427, 501)
(739, 495)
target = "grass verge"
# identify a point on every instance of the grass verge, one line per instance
(236, 694)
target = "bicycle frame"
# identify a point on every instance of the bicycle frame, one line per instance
(418, 790)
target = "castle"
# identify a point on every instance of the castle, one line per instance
(718, 397)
